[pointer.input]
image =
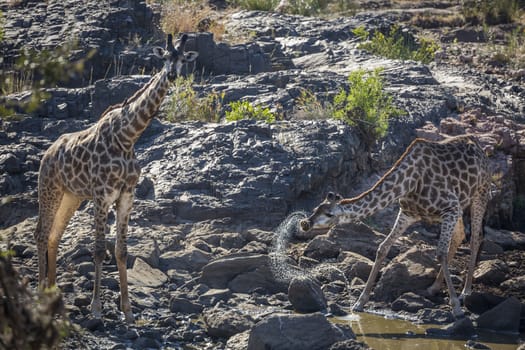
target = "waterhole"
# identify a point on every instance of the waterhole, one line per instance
(395, 334)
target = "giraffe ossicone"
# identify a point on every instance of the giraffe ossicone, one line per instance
(99, 163)
(433, 182)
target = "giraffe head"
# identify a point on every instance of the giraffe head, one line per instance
(174, 56)
(325, 215)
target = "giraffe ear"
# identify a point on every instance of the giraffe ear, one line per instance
(159, 52)
(330, 197)
(190, 56)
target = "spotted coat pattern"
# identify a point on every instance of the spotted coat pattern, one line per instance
(433, 182)
(99, 164)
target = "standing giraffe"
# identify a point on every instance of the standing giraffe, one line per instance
(433, 182)
(99, 164)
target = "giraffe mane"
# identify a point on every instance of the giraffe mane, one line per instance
(128, 100)
(396, 164)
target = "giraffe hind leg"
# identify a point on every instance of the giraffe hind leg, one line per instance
(457, 238)
(68, 205)
(477, 212)
(49, 201)
(448, 228)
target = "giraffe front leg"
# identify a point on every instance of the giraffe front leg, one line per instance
(101, 215)
(124, 205)
(402, 223)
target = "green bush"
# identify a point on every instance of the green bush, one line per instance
(396, 45)
(245, 110)
(366, 106)
(185, 104)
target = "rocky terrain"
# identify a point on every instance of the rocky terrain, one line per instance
(209, 265)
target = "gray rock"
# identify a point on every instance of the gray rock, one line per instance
(478, 302)
(241, 274)
(142, 274)
(460, 328)
(507, 239)
(350, 344)
(306, 295)
(321, 247)
(10, 163)
(411, 271)
(146, 250)
(224, 323)
(296, 332)
(411, 302)
(505, 317)
(213, 296)
(191, 259)
(185, 306)
(355, 265)
(491, 272)
(238, 341)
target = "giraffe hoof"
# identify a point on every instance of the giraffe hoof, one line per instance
(357, 307)
(129, 318)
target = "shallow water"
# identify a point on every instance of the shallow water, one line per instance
(383, 333)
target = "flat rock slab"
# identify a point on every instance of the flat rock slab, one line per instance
(296, 332)
(144, 275)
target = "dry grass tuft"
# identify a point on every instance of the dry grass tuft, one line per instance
(180, 16)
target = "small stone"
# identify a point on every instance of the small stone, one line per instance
(306, 295)
(93, 324)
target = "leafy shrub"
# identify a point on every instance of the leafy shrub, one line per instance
(35, 70)
(397, 45)
(245, 110)
(28, 320)
(366, 106)
(185, 104)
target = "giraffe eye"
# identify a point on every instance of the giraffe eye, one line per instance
(329, 215)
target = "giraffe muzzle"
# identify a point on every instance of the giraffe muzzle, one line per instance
(305, 225)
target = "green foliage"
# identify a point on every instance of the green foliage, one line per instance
(255, 5)
(492, 12)
(396, 45)
(306, 7)
(366, 106)
(29, 320)
(245, 110)
(36, 70)
(187, 105)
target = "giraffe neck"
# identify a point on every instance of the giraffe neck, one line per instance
(137, 115)
(396, 183)
(377, 198)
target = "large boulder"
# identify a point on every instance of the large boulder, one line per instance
(296, 332)
(306, 295)
(242, 274)
(504, 317)
(414, 270)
